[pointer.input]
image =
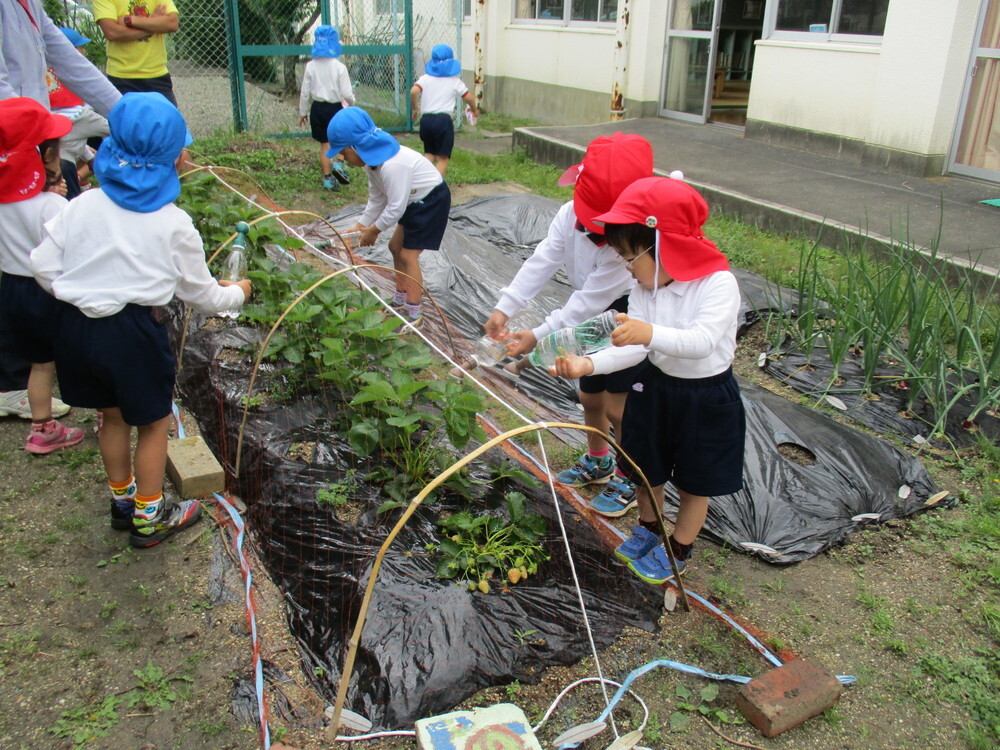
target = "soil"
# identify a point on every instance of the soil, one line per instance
(81, 613)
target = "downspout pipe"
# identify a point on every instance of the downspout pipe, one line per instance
(620, 60)
(478, 65)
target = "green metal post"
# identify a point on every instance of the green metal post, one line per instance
(408, 41)
(235, 47)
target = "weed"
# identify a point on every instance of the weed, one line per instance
(319, 670)
(71, 523)
(155, 688)
(84, 725)
(777, 585)
(51, 538)
(211, 729)
(338, 493)
(78, 458)
(701, 703)
(522, 635)
(726, 588)
(512, 690)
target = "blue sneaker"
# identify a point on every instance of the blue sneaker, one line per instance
(339, 171)
(655, 566)
(329, 184)
(617, 499)
(588, 470)
(638, 545)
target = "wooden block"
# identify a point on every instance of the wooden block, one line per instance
(787, 696)
(193, 469)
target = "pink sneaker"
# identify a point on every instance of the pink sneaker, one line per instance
(50, 436)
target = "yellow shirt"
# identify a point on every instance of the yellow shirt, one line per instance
(135, 59)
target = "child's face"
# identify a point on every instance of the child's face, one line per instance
(352, 158)
(82, 51)
(641, 263)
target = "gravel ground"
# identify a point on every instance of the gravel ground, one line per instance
(206, 103)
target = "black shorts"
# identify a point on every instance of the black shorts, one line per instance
(614, 382)
(424, 221)
(32, 314)
(437, 131)
(320, 114)
(688, 432)
(123, 360)
(159, 85)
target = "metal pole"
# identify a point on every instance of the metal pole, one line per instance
(408, 20)
(237, 92)
(620, 61)
(479, 66)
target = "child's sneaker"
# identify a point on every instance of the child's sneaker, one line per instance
(415, 322)
(15, 404)
(655, 567)
(617, 499)
(51, 436)
(121, 514)
(173, 517)
(637, 546)
(588, 470)
(329, 184)
(339, 172)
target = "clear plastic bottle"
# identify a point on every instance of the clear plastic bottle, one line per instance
(588, 337)
(488, 351)
(235, 267)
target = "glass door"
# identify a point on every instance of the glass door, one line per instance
(977, 147)
(689, 59)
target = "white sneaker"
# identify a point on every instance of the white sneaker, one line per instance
(15, 404)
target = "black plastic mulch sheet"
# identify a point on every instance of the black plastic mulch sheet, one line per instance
(889, 412)
(427, 643)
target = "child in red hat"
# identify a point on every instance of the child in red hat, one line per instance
(684, 420)
(25, 205)
(576, 244)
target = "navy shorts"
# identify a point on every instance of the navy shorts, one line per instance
(123, 360)
(424, 221)
(614, 382)
(437, 131)
(320, 114)
(159, 85)
(32, 315)
(690, 432)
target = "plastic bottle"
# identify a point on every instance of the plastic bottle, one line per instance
(488, 351)
(235, 267)
(586, 338)
(470, 116)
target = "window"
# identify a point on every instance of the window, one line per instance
(466, 8)
(601, 11)
(855, 17)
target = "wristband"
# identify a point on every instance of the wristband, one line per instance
(127, 20)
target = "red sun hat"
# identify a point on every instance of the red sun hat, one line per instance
(677, 212)
(612, 163)
(24, 123)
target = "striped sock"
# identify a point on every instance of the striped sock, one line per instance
(148, 506)
(399, 298)
(411, 311)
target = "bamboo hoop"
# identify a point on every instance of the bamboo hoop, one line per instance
(331, 732)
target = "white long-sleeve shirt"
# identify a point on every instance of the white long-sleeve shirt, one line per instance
(595, 273)
(404, 178)
(22, 224)
(325, 79)
(694, 328)
(100, 257)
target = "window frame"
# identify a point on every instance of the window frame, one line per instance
(566, 20)
(771, 32)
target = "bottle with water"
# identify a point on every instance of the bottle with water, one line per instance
(586, 338)
(488, 351)
(235, 267)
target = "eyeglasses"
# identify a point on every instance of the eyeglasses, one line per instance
(629, 263)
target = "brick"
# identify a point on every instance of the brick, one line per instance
(193, 469)
(787, 696)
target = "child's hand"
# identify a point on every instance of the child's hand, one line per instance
(520, 342)
(369, 235)
(572, 366)
(631, 331)
(303, 119)
(495, 325)
(243, 284)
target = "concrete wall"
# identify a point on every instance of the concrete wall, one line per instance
(896, 102)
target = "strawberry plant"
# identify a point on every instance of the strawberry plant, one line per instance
(482, 548)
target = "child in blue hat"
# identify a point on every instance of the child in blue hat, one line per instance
(326, 84)
(433, 97)
(404, 190)
(113, 255)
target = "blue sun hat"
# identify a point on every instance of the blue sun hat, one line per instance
(326, 42)
(136, 164)
(353, 127)
(443, 63)
(75, 37)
